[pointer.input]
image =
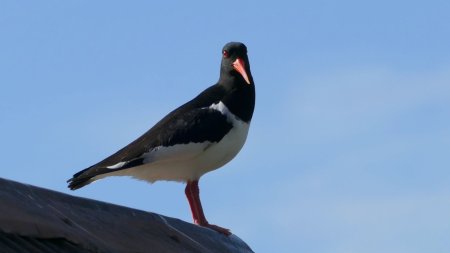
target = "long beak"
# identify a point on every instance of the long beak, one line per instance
(239, 66)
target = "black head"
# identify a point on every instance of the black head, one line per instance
(237, 81)
(235, 67)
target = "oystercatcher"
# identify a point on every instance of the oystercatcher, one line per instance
(200, 136)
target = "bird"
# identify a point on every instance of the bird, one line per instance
(200, 136)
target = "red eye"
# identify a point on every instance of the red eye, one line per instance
(225, 54)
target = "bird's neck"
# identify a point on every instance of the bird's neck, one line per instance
(240, 100)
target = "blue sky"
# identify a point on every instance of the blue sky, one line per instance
(348, 148)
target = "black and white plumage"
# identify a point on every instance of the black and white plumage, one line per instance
(197, 137)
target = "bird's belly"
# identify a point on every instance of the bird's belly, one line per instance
(214, 156)
(218, 154)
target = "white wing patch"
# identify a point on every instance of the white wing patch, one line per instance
(116, 166)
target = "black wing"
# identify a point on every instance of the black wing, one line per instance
(179, 127)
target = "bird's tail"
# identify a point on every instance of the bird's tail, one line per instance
(89, 175)
(79, 180)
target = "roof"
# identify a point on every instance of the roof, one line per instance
(34, 219)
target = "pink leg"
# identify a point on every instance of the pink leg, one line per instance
(193, 195)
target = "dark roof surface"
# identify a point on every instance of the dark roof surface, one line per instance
(34, 219)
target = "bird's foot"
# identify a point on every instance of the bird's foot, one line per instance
(221, 230)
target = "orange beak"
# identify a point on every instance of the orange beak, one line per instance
(239, 66)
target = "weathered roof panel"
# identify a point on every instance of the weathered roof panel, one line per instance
(34, 219)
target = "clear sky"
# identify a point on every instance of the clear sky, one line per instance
(348, 150)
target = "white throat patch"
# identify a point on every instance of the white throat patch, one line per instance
(222, 108)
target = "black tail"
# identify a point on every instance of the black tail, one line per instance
(79, 180)
(86, 176)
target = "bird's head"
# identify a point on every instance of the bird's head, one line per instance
(235, 64)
